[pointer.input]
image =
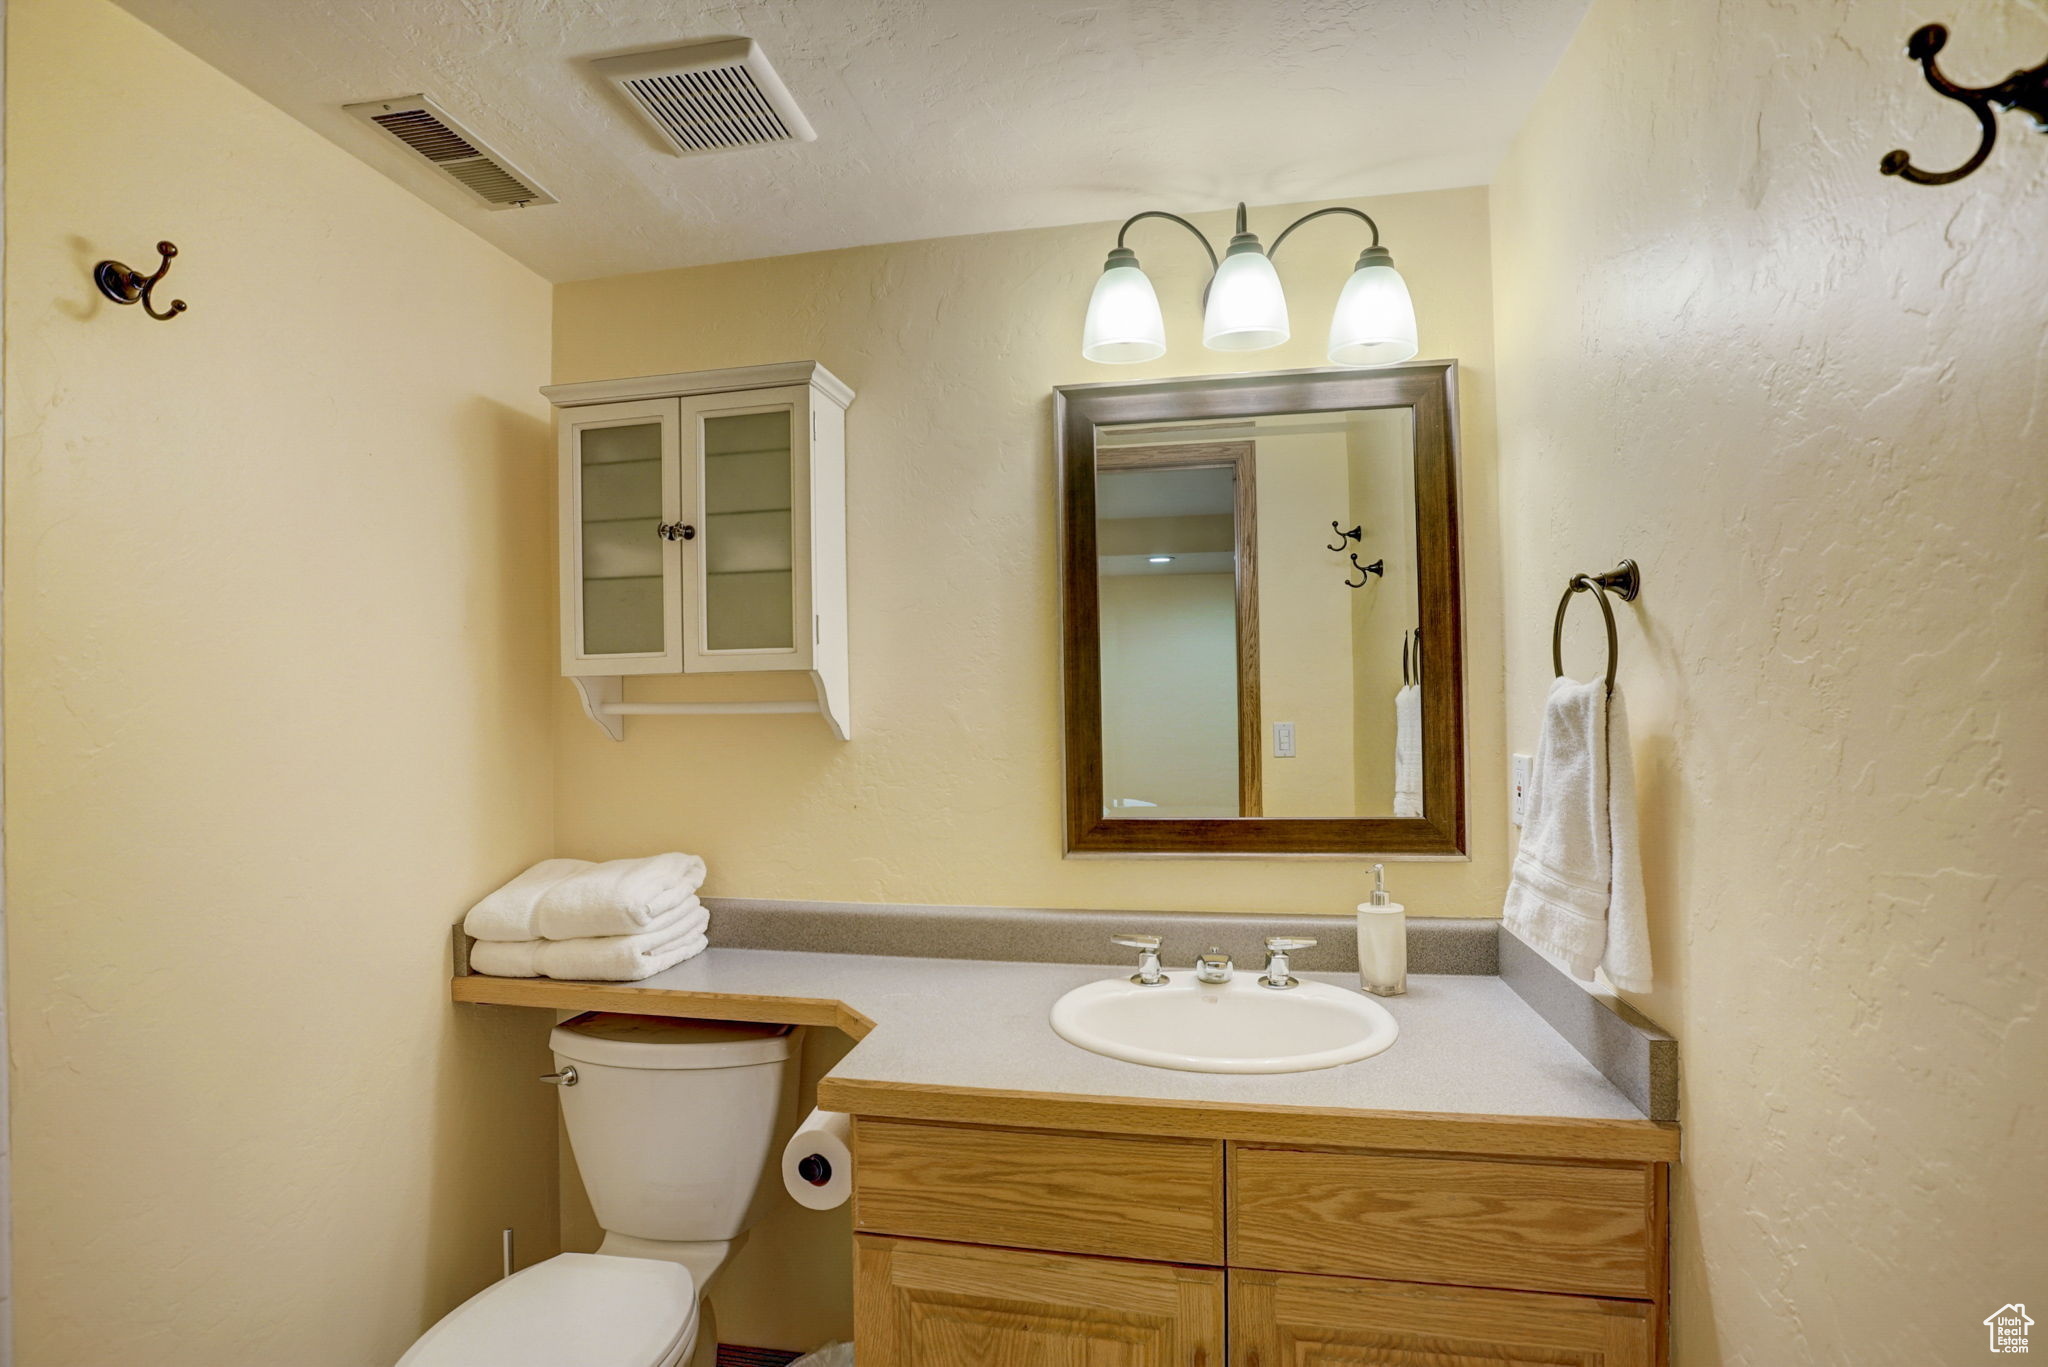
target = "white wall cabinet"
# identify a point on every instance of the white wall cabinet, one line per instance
(703, 531)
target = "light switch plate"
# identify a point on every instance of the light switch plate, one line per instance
(1524, 767)
(1283, 740)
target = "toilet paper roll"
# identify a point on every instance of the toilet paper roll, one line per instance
(817, 1163)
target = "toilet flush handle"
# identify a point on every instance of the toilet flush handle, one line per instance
(565, 1078)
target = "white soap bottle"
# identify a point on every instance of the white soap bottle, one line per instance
(1382, 941)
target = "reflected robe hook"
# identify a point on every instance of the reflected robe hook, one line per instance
(2023, 90)
(126, 286)
(1365, 572)
(1356, 534)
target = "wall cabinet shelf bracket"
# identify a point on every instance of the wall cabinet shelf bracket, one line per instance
(604, 699)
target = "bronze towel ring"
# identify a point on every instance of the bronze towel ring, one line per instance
(1625, 579)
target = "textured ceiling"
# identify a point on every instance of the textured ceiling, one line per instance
(934, 117)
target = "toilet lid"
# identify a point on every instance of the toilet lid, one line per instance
(584, 1308)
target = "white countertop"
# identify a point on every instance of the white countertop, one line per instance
(1468, 1044)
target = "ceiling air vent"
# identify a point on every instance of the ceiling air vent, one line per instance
(709, 97)
(427, 129)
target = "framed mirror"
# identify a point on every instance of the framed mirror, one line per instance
(1261, 613)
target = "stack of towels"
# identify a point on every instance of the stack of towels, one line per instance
(570, 918)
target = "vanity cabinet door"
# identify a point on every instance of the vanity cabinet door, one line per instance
(919, 1304)
(1288, 1320)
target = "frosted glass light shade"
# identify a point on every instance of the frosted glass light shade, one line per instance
(1247, 310)
(1124, 325)
(1375, 319)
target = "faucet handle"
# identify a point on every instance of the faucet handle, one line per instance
(1278, 973)
(1148, 974)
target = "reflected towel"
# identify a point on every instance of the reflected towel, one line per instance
(1408, 751)
(1576, 892)
(610, 958)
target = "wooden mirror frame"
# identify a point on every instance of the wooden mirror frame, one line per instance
(1429, 388)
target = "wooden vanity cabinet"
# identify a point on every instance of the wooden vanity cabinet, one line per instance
(919, 1304)
(1285, 1320)
(1046, 1248)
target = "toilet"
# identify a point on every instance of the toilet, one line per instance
(672, 1123)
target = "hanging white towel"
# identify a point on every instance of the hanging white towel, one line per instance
(1408, 751)
(1576, 892)
(573, 899)
(673, 938)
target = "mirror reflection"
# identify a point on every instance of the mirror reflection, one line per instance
(1258, 605)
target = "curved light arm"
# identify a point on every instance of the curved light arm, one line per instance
(1172, 218)
(1274, 250)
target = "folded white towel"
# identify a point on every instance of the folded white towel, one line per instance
(1576, 892)
(623, 897)
(673, 938)
(507, 914)
(1408, 751)
(572, 899)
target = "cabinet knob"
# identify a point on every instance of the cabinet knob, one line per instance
(675, 531)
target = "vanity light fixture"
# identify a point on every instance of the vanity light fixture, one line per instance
(1244, 308)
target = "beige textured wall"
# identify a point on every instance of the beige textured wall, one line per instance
(1169, 693)
(277, 711)
(950, 790)
(1814, 403)
(1304, 483)
(1380, 457)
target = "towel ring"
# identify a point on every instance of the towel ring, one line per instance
(1625, 579)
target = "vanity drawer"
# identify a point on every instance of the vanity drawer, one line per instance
(1126, 1196)
(1525, 1226)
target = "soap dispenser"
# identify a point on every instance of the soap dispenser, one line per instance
(1382, 941)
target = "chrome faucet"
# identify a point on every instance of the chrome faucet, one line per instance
(1148, 974)
(1278, 947)
(1214, 966)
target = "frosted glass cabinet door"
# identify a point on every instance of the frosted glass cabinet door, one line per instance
(622, 577)
(747, 594)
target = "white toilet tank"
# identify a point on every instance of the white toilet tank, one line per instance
(672, 1121)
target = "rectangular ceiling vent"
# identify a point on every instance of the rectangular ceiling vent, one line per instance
(427, 129)
(709, 97)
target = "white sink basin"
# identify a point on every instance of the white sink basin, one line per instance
(1234, 1027)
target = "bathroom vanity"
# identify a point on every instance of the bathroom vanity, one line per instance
(1477, 1194)
(979, 1243)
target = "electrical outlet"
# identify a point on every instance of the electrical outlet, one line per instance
(1524, 768)
(1283, 740)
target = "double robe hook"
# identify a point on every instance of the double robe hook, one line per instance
(2026, 91)
(124, 285)
(1365, 572)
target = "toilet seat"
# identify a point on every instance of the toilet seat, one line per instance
(583, 1308)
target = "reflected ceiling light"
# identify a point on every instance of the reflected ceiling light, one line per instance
(1244, 308)
(1160, 559)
